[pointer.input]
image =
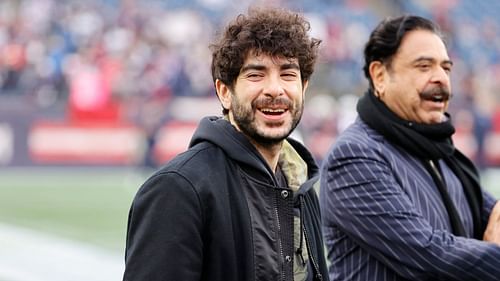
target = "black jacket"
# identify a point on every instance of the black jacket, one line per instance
(216, 212)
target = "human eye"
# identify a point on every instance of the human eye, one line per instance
(254, 76)
(447, 68)
(289, 75)
(424, 66)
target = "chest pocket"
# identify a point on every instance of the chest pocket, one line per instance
(271, 215)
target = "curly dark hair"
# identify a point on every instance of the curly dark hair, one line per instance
(386, 38)
(272, 31)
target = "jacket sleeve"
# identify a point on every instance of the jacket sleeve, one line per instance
(164, 239)
(488, 203)
(313, 217)
(361, 197)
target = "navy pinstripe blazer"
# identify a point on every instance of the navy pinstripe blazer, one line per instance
(383, 217)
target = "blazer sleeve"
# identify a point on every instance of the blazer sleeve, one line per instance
(488, 203)
(362, 197)
(164, 239)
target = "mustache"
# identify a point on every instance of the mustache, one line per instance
(438, 93)
(270, 102)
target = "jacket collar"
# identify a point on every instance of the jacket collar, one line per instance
(293, 166)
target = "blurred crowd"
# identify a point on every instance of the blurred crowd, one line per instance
(126, 60)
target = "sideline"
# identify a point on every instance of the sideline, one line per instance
(28, 255)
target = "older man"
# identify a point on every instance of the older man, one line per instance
(400, 202)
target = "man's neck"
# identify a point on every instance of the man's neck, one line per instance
(270, 153)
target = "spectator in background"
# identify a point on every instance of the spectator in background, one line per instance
(240, 203)
(399, 201)
(144, 49)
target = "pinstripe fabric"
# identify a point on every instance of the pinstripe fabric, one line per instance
(383, 218)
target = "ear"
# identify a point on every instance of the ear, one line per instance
(305, 84)
(378, 73)
(224, 93)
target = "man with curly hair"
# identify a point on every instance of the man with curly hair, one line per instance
(239, 204)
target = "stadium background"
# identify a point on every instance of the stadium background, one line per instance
(94, 95)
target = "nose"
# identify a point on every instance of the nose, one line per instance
(441, 76)
(273, 86)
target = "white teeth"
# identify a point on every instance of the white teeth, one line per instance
(272, 110)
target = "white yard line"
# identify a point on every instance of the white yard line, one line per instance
(27, 255)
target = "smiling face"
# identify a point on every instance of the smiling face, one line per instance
(416, 84)
(267, 101)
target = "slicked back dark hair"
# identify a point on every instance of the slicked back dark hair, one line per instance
(386, 38)
(273, 31)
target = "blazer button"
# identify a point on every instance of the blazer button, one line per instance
(284, 194)
(288, 258)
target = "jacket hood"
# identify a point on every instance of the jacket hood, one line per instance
(221, 133)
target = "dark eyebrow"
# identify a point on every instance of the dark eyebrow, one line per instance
(263, 67)
(447, 62)
(419, 59)
(290, 66)
(252, 67)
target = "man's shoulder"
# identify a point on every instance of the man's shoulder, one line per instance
(193, 168)
(359, 140)
(359, 133)
(196, 159)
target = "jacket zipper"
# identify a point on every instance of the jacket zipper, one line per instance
(282, 263)
(280, 245)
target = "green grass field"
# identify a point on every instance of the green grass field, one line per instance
(87, 204)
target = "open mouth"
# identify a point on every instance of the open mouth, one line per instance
(273, 111)
(438, 98)
(437, 95)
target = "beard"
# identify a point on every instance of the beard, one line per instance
(244, 117)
